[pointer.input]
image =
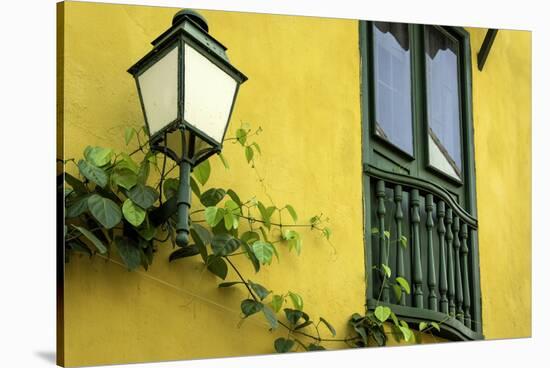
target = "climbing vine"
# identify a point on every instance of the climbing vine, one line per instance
(115, 204)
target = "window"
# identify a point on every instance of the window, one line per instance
(419, 177)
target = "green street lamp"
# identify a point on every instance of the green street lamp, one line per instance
(187, 88)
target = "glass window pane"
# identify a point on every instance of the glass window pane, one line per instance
(159, 91)
(443, 102)
(392, 74)
(209, 93)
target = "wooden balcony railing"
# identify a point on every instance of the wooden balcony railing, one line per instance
(420, 231)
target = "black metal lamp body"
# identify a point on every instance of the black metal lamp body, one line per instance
(187, 89)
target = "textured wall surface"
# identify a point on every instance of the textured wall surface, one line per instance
(502, 134)
(304, 93)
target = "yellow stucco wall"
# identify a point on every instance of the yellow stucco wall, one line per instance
(304, 93)
(502, 134)
(113, 316)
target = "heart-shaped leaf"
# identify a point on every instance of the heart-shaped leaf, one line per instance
(143, 196)
(224, 244)
(129, 252)
(133, 213)
(93, 173)
(382, 313)
(106, 211)
(283, 345)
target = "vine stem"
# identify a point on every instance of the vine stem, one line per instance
(316, 338)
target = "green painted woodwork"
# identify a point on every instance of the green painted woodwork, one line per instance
(398, 198)
(458, 274)
(406, 198)
(432, 297)
(417, 264)
(443, 286)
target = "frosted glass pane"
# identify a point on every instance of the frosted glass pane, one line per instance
(208, 94)
(392, 72)
(443, 102)
(159, 91)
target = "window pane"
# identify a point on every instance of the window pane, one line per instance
(443, 102)
(392, 74)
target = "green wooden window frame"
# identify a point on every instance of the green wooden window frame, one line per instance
(389, 170)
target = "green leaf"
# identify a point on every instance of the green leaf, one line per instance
(394, 318)
(251, 256)
(229, 220)
(250, 307)
(212, 197)
(329, 326)
(270, 317)
(124, 178)
(435, 325)
(374, 231)
(233, 207)
(104, 210)
(79, 247)
(101, 248)
(143, 196)
(266, 213)
(147, 230)
(327, 232)
(313, 347)
(296, 300)
(133, 213)
(77, 207)
(217, 266)
(183, 252)
(260, 291)
(231, 193)
(201, 172)
(276, 302)
(151, 157)
(387, 270)
(387, 234)
(75, 183)
(292, 212)
(398, 292)
(241, 136)
(126, 162)
(249, 153)
(401, 281)
(229, 284)
(213, 215)
(293, 315)
(129, 134)
(283, 345)
(255, 145)
(170, 187)
(224, 244)
(93, 173)
(98, 156)
(223, 160)
(195, 187)
(407, 333)
(293, 239)
(422, 326)
(200, 234)
(143, 173)
(249, 237)
(403, 241)
(263, 251)
(382, 313)
(129, 252)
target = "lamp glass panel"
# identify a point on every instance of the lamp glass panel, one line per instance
(159, 91)
(208, 94)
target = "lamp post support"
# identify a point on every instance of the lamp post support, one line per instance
(184, 203)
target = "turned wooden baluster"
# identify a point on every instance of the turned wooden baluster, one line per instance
(450, 262)
(398, 197)
(465, 278)
(381, 212)
(432, 297)
(443, 302)
(458, 276)
(417, 263)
